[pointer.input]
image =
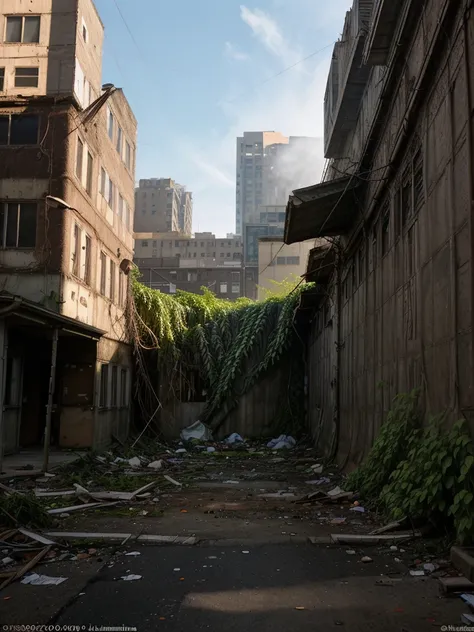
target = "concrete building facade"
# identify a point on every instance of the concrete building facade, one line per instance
(394, 306)
(162, 206)
(67, 165)
(204, 247)
(279, 262)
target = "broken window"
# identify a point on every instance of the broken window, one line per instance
(18, 225)
(87, 260)
(79, 158)
(19, 129)
(103, 273)
(104, 385)
(90, 170)
(76, 252)
(23, 29)
(26, 77)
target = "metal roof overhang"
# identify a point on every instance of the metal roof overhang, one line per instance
(12, 305)
(322, 210)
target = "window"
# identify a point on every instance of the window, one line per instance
(112, 280)
(113, 387)
(90, 171)
(103, 180)
(18, 225)
(235, 288)
(23, 29)
(128, 155)
(293, 261)
(110, 198)
(144, 244)
(85, 33)
(104, 385)
(222, 254)
(281, 261)
(2, 79)
(123, 388)
(176, 243)
(120, 206)
(87, 260)
(76, 251)
(223, 288)
(79, 158)
(103, 273)
(192, 277)
(228, 254)
(121, 296)
(119, 141)
(19, 129)
(110, 124)
(127, 216)
(26, 77)
(203, 254)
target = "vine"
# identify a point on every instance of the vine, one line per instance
(423, 473)
(232, 345)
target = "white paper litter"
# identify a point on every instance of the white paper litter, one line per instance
(135, 462)
(317, 469)
(234, 438)
(231, 482)
(283, 442)
(133, 554)
(417, 573)
(359, 509)
(335, 492)
(210, 449)
(156, 465)
(42, 580)
(130, 578)
(197, 430)
(468, 599)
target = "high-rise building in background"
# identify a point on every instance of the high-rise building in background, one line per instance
(269, 167)
(162, 206)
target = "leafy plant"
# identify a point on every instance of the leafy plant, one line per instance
(389, 447)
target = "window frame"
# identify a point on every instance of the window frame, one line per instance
(79, 168)
(4, 209)
(87, 259)
(112, 274)
(2, 79)
(23, 18)
(89, 173)
(103, 273)
(11, 118)
(25, 76)
(76, 252)
(104, 386)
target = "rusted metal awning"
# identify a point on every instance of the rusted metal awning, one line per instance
(322, 210)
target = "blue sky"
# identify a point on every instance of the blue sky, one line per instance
(198, 73)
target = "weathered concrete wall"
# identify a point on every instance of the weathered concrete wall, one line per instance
(406, 292)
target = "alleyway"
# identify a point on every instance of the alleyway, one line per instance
(252, 566)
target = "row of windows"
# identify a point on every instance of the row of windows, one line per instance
(19, 129)
(112, 392)
(286, 261)
(109, 191)
(24, 77)
(116, 135)
(112, 281)
(187, 243)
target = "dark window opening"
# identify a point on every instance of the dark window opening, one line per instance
(26, 77)
(113, 389)
(19, 129)
(103, 272)
(18, 225)
(23, 29)
(90, 169)
(104, 384)
(87, 260)
(2, 79)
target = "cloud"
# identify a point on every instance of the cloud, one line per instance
(234, 53)
(266, 29)
(291, 103)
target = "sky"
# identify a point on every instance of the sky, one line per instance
(198, 73)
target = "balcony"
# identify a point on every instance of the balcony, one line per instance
(382, 30)
(348, 77)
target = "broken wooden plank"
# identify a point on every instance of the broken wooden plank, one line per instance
(145, 488)
(343, 538)
(393, 526)
(26, 568)
(41, 494)
(79, 535)
(35, 536)
(61, 510)
(171, 480)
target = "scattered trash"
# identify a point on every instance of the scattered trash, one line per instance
(42, 580)
(397, 559)
(176, 569)
(336, 521)
(467, 618)
(335, 492)
(212, 557)
(430, 568)
(210, 449)
(366, 559)
(231, 482)
(64, 515)
(468, 599)
(130, 578)
(389, 527)
(184, 511)
(135, 462)
(198, 431)
(394, 548)
(156, 465)
(246, 552)
(7, 560)
(350, 552)
(417, 573)
(283, 442)
(181, 451)
(324, 480)
(171, 480)
(144, 513)
(234, 438)
(317, 469)
(300, 608)
(359, 509)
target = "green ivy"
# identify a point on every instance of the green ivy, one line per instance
(426, 474)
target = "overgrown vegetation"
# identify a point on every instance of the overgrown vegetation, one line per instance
(23, 509)
(423, 473)
(230, 345)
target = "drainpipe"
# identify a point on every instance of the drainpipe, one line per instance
(49, 408)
